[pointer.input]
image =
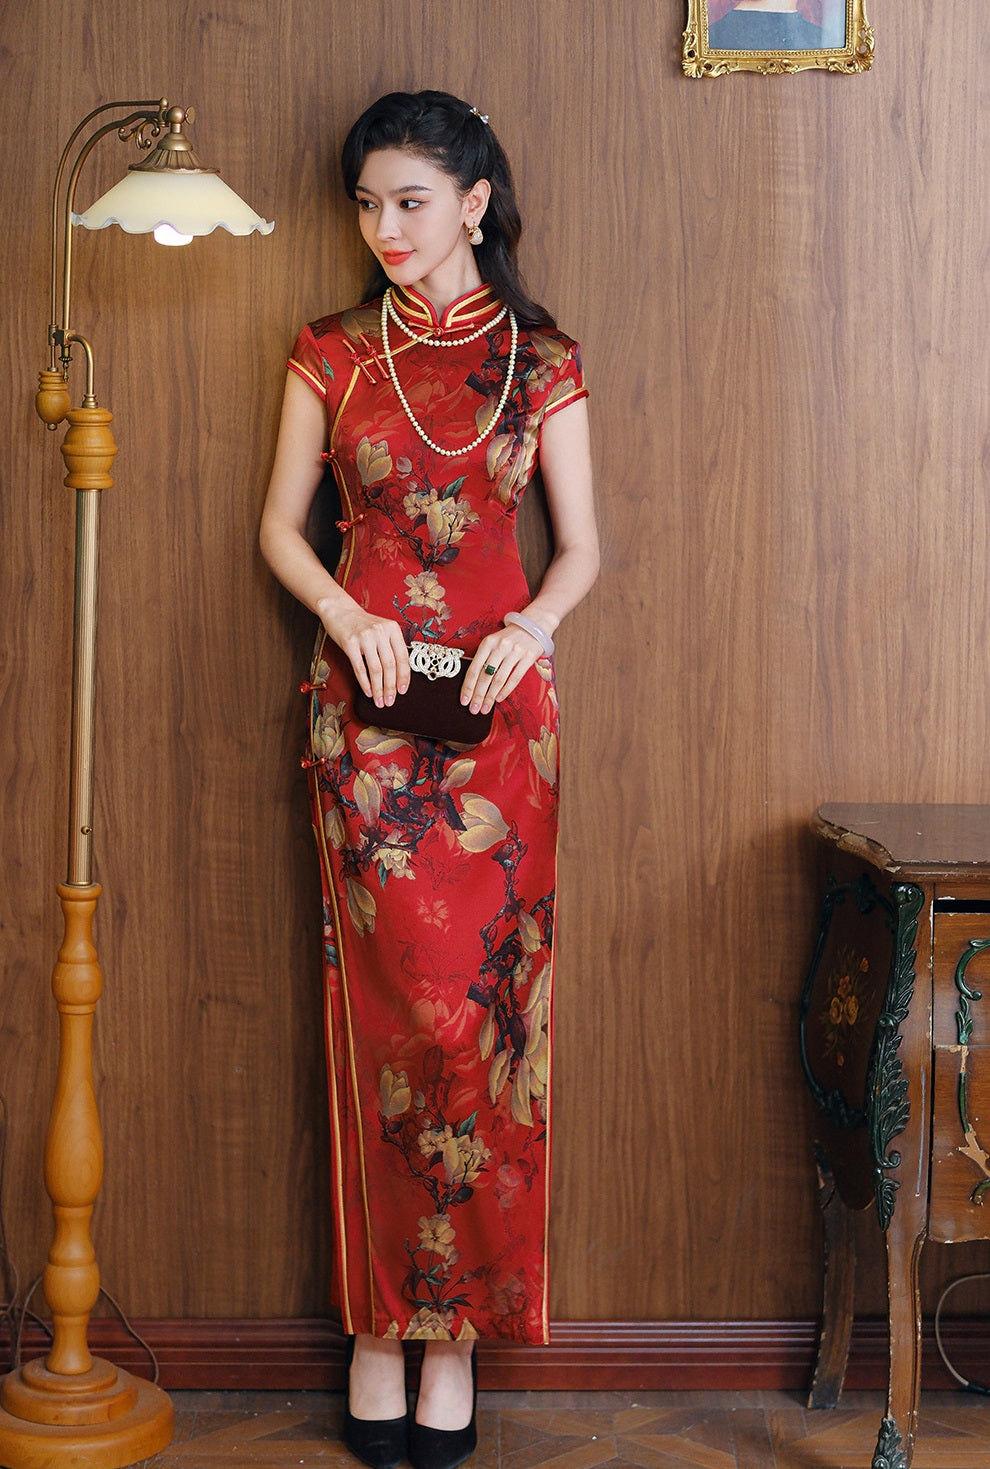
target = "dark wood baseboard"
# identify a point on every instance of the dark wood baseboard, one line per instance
(587, 1356)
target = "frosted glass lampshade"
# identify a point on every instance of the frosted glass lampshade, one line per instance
(193, 203)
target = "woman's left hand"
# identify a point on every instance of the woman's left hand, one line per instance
(510, 653)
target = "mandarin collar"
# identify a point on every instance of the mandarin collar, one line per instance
(472, 309)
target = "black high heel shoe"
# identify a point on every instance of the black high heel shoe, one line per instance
(378, 1442)
(445, 1448)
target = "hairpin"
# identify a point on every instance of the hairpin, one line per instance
(482, 115)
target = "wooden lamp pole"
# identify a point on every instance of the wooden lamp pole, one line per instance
(70, 1410)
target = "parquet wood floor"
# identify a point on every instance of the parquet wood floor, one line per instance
(758, 1430)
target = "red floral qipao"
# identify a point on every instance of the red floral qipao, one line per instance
(438, 862)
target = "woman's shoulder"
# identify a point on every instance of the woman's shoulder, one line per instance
(552, 346)
(552, 367)
(553, 333)
(326, 347)
(347, 326)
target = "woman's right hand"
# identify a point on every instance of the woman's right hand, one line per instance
(375, 648)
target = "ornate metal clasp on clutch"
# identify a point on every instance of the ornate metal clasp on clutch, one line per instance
(434, 660)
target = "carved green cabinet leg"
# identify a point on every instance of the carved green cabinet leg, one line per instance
(888, 1103)
(889, 1453)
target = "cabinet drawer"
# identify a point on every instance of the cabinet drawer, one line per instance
(961, 976)
(959, 1206)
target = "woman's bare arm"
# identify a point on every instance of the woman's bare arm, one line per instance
(374, 645)
(565, 463)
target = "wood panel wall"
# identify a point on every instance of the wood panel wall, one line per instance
(779, 286)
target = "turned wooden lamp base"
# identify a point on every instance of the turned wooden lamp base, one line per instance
(70, 1410)
(102, 1419)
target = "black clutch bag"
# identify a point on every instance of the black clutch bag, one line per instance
(431, 706)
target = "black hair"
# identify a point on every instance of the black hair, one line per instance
(447, 133)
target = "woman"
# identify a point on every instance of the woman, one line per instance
(776, 25)
(434, 403)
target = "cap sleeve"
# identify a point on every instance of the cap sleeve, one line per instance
(568, 385)
(307, 361)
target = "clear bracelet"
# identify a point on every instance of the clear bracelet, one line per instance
(533, 628)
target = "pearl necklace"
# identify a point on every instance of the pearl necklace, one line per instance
(437, 448)
(430, 337)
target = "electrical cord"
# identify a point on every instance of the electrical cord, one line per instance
(977, 1387)
(23, 1315)
(133, 1334)
(9, 1280)
(9, 1274)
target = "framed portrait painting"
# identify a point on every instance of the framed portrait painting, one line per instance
(776, 37)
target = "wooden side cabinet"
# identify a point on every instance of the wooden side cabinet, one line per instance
(895, 1046)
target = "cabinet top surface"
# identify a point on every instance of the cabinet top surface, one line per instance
(927, 840)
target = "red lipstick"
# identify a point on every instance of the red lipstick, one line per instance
(395, 257)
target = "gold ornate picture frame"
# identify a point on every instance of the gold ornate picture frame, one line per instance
(776, 37)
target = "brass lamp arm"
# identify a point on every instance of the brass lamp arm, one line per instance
(150, 115)
(89, 400)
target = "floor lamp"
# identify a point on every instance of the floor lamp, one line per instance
(70, 1408)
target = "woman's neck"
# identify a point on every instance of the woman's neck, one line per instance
(449, 283)
(777, 7)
